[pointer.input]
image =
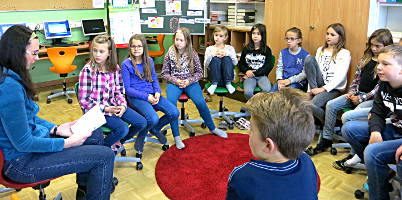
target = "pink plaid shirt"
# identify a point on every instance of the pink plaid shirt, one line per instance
(102, 88)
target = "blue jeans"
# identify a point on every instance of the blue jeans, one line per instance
(377, 156)
(251, 83)
(293, 85)
(120, 130)
(220, 70)
(194, 92)
(357, 134)
(154, 123)
(359, 113)
(92, 163)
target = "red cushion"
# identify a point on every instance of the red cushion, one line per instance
(183, 97)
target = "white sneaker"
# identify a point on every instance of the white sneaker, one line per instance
(220, 133)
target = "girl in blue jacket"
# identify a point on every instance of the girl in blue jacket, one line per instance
(144, 93)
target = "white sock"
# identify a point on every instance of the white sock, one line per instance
(353, 161)
(230, 88)
(179, 143)
(220, 133)
(212, 88)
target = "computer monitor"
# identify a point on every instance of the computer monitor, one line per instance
(56, 30)
(91, 27)
(4, 27)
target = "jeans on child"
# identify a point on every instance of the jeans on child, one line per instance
(358, 135)
(251, 83)
(194, 92)
(154, 123)
(359, 113)
(92, 163)
(292, 85)
(220, 70)
(120, 130)
(377, 156)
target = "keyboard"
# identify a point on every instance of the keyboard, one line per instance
(63, 45)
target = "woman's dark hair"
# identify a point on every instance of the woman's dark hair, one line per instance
(263, 32)
(13, 45)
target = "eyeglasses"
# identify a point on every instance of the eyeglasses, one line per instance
(34, 53)
(136, 47)
(290, 38)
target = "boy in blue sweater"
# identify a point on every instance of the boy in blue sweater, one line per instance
(282, 126)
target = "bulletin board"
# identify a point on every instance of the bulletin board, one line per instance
(128, 17)
(172, 22)
(12, 5)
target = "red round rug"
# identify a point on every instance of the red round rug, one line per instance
(201, 170)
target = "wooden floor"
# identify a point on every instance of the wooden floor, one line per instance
(141, 185)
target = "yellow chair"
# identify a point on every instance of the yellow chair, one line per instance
(62, 59)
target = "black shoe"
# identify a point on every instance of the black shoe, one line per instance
(322, 145)
(81, 193)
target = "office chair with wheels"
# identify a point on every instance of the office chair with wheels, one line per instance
(161, 51)
(14, 186)
(62, 59)
(122, 150)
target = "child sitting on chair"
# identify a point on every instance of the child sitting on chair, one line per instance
(219, 60)
(282, 126)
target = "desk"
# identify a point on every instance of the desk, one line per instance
(81, 50)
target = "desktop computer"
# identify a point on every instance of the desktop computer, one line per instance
(93, 27)
(56, 31)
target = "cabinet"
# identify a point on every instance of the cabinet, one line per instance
(313, 17)
(385, 15)
(236, 8)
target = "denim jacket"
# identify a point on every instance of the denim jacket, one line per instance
(21, 130)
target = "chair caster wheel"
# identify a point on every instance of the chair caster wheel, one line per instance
(359, 194)
(348, 170)
(231, 126)
(164, 132)
(192, 134)
(310, 151)
(333, 151)
(123, 152)
(48, 101)
(115, 181)
(69, 101)
(203, 125)
(139, 166)
(165, 147)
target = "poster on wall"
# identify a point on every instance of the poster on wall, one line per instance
(124, 22)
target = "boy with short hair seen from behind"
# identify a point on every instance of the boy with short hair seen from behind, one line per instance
(282, 126)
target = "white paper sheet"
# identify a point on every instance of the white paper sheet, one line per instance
(90, 121)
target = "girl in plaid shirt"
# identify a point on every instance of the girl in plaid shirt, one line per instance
(101, 83)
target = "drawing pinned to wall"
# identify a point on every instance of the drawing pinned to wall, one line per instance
(155, 22)
(173, 7)
(124, 22)
(173, 24)
(98, 3)
(196, 4)
(147, 3)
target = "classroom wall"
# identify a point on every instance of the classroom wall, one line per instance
(40, 71)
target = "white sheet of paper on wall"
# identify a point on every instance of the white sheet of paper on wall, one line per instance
(173, 7)
(155, 22)
(149, 10)
(202, 20)
(147, 3)
(196, 4)
(186, 21)
(194, 13)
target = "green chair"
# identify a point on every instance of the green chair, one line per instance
(122, 150)
(222, 112)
